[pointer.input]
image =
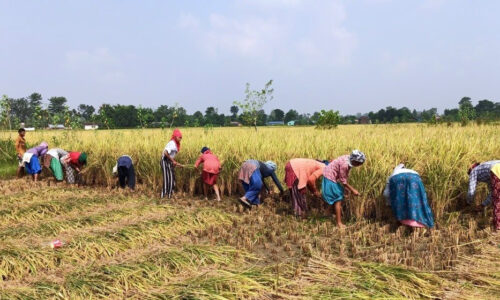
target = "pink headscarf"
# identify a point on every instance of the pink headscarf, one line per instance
(175, 134)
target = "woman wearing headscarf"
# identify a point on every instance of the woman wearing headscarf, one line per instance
(299, 174)
(210, 173)
(252, 175)
(73, 161)
(31, 159)
(406, 195)
(495, 195)
(168, 163)
(335, 181)
(52, 161)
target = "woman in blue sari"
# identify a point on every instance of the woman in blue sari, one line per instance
(406, 195)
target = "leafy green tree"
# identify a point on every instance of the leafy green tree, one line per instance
(485, 109)
(86, 112)
(5, 113)
(291, 115)
(277, 115)
(466, 111)
(20, 109)
(234, 112)
(145, 116)
(57, 105)
(105, 115)
(197, 119)
(254, 102)
(328, 119)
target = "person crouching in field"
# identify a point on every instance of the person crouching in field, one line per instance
(210, 172)
(299, 174)
(495, 195)
(124, 170)
(483, 172)
(168, 163)
(252, 176)
(406, 195)
(31, 160)
(20, 149)
(52, 161)
(73, 162)
(335, 181)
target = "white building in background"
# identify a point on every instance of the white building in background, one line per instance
(58, 126)
(91, 127)
(29, 128)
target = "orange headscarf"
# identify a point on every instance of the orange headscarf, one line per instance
(177, 133)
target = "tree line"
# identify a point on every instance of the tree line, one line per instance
(33, 111)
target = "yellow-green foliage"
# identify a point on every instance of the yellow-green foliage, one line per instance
(440, 154)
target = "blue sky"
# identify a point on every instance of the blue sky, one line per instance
(352, 56)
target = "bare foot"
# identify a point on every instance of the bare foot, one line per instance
(244, 201)
(340, 225)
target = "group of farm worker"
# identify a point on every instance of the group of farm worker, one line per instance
(55, 159)
(404, 190)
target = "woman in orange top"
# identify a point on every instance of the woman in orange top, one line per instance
(299, 174)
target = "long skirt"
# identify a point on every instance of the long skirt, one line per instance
(167, 169)
(126, 176)
(56, 168)
(332, 191)
(495, 197)
(33, 167)
(409, 200)
(252, 190)
(297, 197)
(68, 170)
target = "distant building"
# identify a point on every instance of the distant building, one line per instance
(58, 126)
(91, 127)
(29, 128)
(237, 124)
(364, 120)
(275, 123)
(291, 123)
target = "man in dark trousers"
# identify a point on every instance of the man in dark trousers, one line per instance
(124, 169)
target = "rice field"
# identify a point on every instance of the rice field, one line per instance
(119, 244)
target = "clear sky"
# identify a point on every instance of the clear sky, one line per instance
(352, 56)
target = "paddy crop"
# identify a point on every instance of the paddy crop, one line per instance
(126, 245)
(119, 244)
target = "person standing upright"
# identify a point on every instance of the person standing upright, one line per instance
(20, 150)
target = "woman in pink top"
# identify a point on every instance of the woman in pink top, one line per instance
(211, 169)
(299, 174)
(335, 178)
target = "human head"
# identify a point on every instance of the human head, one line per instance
(271, 164)
(44, 145)
(83, 158)
(204, 149)
(177, 135)
(472, 167)
(21, 132)
(357, 158)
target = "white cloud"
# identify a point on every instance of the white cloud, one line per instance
(98, 64)
(188, 21)
(281, 37)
